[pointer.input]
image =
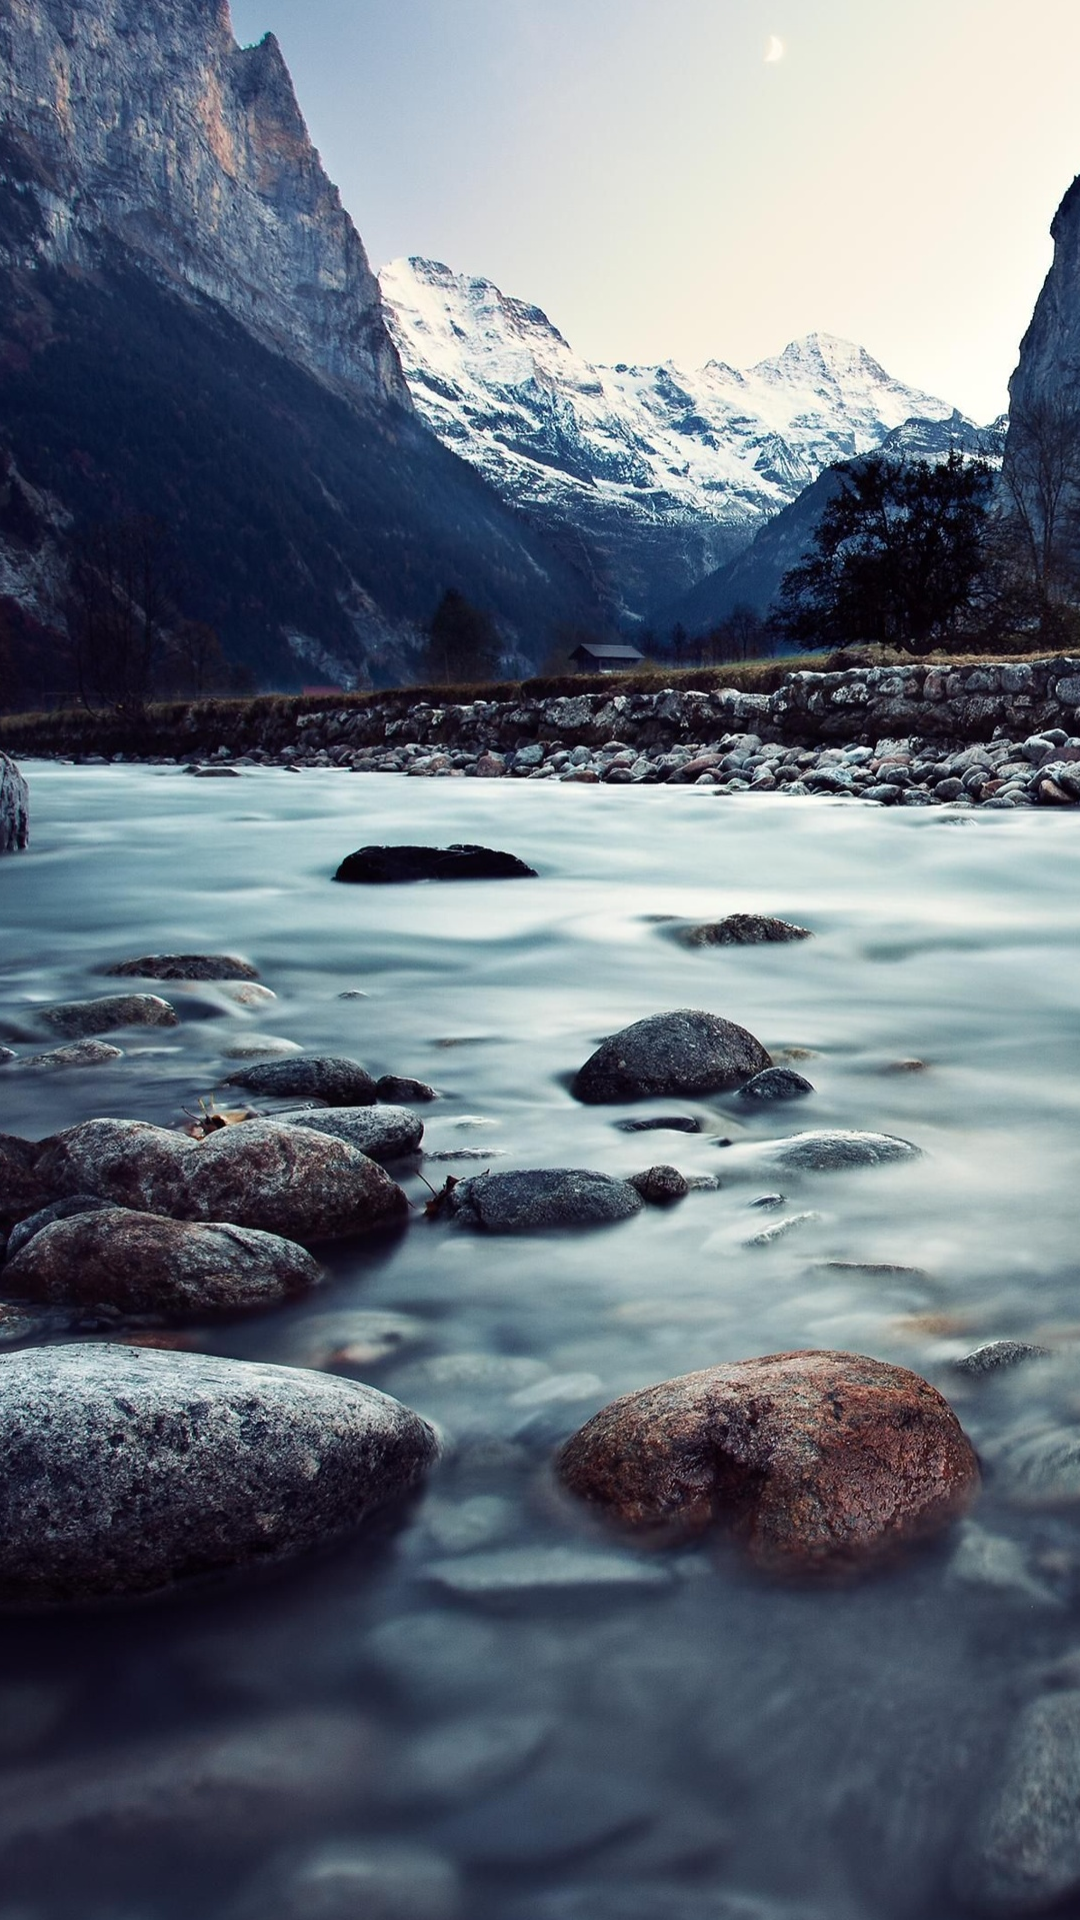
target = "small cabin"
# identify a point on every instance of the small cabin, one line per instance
(589, 659)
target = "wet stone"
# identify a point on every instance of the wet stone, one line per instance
(835, 1150)
(354, 1880)
(1041, 1469)
(395, 1087)
(14, 808)
(660, 1186)
(509, 1571)
(463, 1758)
(997, 1356)
(742, 930)
(542, 1198)
(138, 1469)
(145, 1263)
(183, 966)
(81, 1053)
(341, 1083)
(817, 1462)
(22, 1191)
(776, 1083)
(665, 1123)
(21, 1235)
(383, 1133)
(361, 1337)
(7, 1054)
(686, 1052)
(1023, 1855)
(383, 866)
(82, 1019)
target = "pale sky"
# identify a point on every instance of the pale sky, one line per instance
(642, 171)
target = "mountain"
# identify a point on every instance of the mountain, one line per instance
(753, 577)
(189, 328)
(663, 473)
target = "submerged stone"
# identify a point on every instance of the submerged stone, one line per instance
(776, 1083)
(383, 866)
(832, 1150)
(1024, 1853)
(741, 930)
(341, 1083)
(129, 1469)
(183, 966)
(542, 1197)
(82, 1019)
(687, 1052)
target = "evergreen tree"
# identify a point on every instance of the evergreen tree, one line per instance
(462, 644)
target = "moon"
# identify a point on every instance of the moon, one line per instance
(775, 50)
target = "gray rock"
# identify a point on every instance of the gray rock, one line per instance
(81, 1053)
(998, 1565)
(362, 1337)
(286, 1180)
(686, 1052)
(660, 1186)
(666, 1123)
(657, 1900)
(145, 1263)
(21, 1235)
(542, 1197)
(183, 966)
(1023, 1855)
(131, 1469)
(341, 1083)
(354, 1880)
(396, 1087)
(776, 1083)
(781, 1229)
(465, 1757)
(998, 1355)
(542, 1570)
(7, 1054)
(383, 1133)
(833, 1150)
(741, 930)
(22, 1191)
(14, 808)
(82, 1019)
(1041, 1469)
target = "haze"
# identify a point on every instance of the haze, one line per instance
(642, 171)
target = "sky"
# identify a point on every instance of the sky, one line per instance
(664, 191)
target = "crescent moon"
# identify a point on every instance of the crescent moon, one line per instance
(775, 50)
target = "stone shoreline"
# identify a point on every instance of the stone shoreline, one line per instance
(1002, 735)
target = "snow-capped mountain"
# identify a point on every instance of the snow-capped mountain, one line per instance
(658, 474)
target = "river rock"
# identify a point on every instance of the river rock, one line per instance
(14, 808)
(542, 1197)
(669, 1054)
(395, 1087)
(665, 1123)
(742, 930)
(81, 1053)
(183, 966)
(82, 1019)
(1024, 1853)
(815, 1461)
(130, 1469)
(145, 1263)
(1041, 1469)
(996, 1356)
(21, 1235)
(22, 1192)
(833, 1150)
(383, 1133)
(285, 1180)
(384, 866)
(341, 1083)
(776, 1083)
(660, 1186)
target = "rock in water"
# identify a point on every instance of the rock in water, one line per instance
(130, 1469)
(183, 966)
(382, 866)
(22, 1192)
(383, 1133)
(1024, 1855)
(285, 1180)
(741, 930)
(14, 808)
(776, 1083)
(671, 1053)
(542, 1197)
(816, 1461)
(342, 1083)
(81, 1019)
(145, 1263)
(832, 1150)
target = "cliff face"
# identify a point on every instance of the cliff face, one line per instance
(147, 123)
(1049, 365)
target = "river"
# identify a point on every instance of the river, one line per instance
(602, 1735)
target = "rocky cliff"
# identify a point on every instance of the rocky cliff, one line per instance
(1049, 365)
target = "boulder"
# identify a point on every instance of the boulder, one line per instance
(834, 1150)
(183, 966)
(82, 1019)
(741, 930)
(383, 1133)
(776, 1083)
(668, 1054)
(659, 1186)
(817, 1462)
(383, 866)
(396, 1087)
(22, 1192)
(285, 1180)
(996, 1356)
(146, 1263)
(1024, 1853)
(22, 1235)
(14, 808)
(542, 1197)
(130, 1469)
(80, 1053)
(341, 1083)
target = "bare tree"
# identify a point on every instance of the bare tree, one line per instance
(1042, 489)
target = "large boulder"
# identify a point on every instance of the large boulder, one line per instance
(146, 1263)
(668, 1054)
(14, 808)
(385, 866)
(816, 1461)
(341, 1083)
(129, 1469)
(285, 1180)
(542, 1197)
(82, 1019)
(183, 966)
(22, 1191)
(1024, 1853)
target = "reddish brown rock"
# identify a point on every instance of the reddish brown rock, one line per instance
(816, 1461)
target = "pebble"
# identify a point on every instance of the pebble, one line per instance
(145, 1263)
(83, 1019)
(542, 1198)
(776, 1083)
(138, 1468)
(686, 1052)
(341, 1083)
(666, 1123)
(183, 966)
(660, 1186)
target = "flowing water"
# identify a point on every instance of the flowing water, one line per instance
(651, 1737)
